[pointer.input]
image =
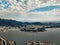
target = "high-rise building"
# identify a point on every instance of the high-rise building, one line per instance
(4, 42)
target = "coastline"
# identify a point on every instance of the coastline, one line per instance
(5, 28)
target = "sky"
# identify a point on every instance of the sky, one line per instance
(30, 10)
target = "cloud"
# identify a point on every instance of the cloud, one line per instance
(18, 10)
(52, 15)
(47, 8)
(33, 16)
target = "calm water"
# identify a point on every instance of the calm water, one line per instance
(51, 35)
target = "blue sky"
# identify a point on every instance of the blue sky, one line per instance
(28, 10)
(5, 3)
(46, 8)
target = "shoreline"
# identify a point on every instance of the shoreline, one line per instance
(4, 28)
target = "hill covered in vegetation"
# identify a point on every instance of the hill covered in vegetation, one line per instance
(6, 22)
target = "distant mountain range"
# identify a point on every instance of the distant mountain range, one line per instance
(6, 22)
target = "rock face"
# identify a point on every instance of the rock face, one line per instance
(4, 42)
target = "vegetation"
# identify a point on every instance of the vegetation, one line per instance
(6, 22)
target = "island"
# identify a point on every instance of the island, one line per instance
(32, 28)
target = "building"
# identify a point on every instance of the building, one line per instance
(4, 42)
(10, 43)
(38, 43)
(29, 43)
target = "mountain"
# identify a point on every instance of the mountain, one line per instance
(14, 23)
(6, 22)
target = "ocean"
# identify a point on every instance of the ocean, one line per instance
(20, 37)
